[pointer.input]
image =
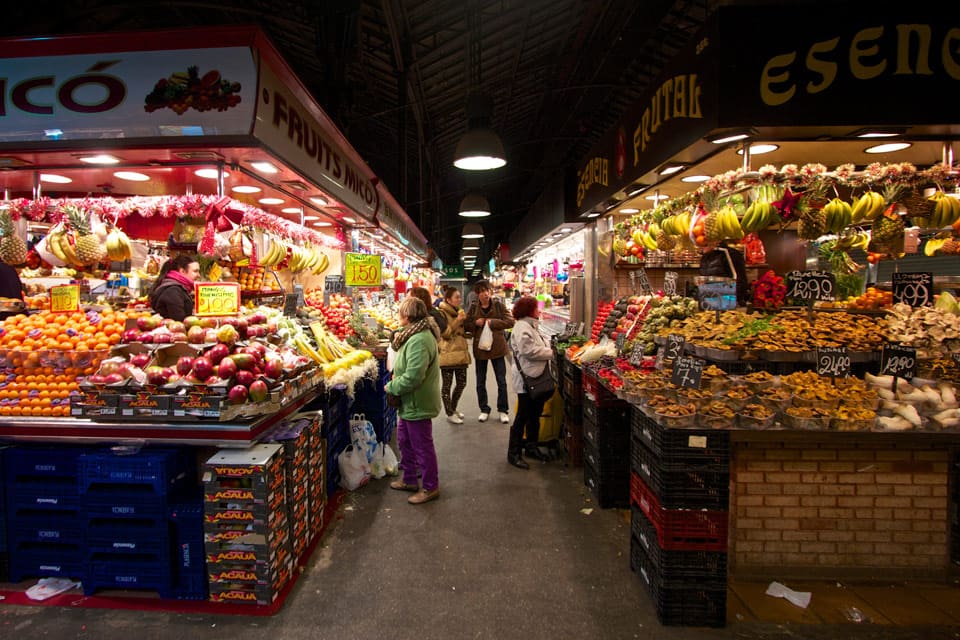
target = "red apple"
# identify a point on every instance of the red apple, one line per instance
(140, 360)
(217, 352)
(229, 321)
(258, 391)
(237, 394)
(96, 378)
(113, 378)
(178, 337)
(146, 338)
(131, 335)
(202, 368)
(242, 327)
(246, 378)
(257, 318)
(162, 338)
(184, 365)
(273, 368)
(227, 368)
(195, 334)
(244, 361)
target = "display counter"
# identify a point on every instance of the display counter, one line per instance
(553, 319)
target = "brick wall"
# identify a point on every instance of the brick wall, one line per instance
(802, 509)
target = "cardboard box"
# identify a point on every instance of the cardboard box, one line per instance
(94, 403)
(143, 405)
(260, 467)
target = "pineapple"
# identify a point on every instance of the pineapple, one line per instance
(813, 224)
(665, 242)
(13, 250)
(886, 235)
(88, 248)
(710, 227)
(950, 247)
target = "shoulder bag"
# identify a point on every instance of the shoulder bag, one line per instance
(542, 386)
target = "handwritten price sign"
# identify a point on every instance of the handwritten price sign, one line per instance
(899, 361)
(810, 285)
(216, 299)
(914, 289)
(674, 346)
(644, 282)
(833, 362)
(65, 298)
(636, 354)
(687, 372)
(363, 270)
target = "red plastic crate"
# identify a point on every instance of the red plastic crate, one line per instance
(681, 529)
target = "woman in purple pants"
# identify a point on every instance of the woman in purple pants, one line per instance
(416, 379)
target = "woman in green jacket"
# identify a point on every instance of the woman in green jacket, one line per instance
(416, 379)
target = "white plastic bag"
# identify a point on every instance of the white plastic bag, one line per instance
(363, 436)
(391, 356)
(391, 466)
(376, 464)
(485, 343)
(354, 468)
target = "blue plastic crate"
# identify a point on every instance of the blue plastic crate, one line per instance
(46, 562)
(125, 507)
(129, 536)
(4, 566)
(128, 572)
(69, 531)
(42, 465)
(149, 472)
(28, 499)
(188, 560)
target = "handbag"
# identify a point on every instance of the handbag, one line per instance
(540, 387)
(396, 401)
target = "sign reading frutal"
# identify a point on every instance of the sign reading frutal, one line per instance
(899, 361)
(833, 362)
(810, 285)
(65, 298)
(914, 289)
(674, 346)
(687, 372)
(333, 284)
(216, 298)
(362, 270)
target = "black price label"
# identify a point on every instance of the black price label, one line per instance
(636, 354)
(670, 283)
(658, 363)
(956, 358)
(899, 361)
(833, 362)
(333, 284)
(290, 301)
(914, 289)
(570, 328)
(674, 346)
(621, 340)
(644, 282)
(810, 285)
(687, 372)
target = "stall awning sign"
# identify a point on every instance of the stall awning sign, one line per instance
(216, 299)
(363, 270)
(65, 298)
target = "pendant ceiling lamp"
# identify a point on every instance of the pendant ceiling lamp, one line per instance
(480, 149)
(471, 230)
(472, 243)
(474, 206)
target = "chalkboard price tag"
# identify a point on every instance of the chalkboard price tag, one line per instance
(636, 354)
(914, 289)
(290, 301)
(687, 372)
(670, 283)
(570, 328)
(810, 285)
(658, 363)
(956, 358)
(621, 340)
(643, 282)
(333, 284)
(674, 346)
(899, 361)
(833, 362)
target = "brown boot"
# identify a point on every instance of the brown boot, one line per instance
(400, 485)
(424, 496)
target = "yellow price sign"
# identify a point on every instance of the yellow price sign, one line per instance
(362, 270)
(216, 299)
(65, 298)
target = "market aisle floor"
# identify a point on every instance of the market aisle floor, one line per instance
(503, 554)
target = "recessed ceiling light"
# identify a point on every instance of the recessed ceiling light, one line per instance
(305, 217)
(889, 147)
(323, 224)
(694, 178)
(264, 167)
(759, 149)
(54, 178)
(320, 202)
(53, 133)
(99, 159)
(627, 210)
(348, 219)
(672, 169)
(730, 138)
(297, 210)
(132, 176)
(212, 174)
(595, 214)
(656, 197)
(885, 132)
(566, 229)
(270, 200)
(245, 188)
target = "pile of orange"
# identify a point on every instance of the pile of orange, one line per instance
(872, 298)
(37, 395)
(63, 331)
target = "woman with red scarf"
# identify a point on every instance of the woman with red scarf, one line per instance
(172, 295)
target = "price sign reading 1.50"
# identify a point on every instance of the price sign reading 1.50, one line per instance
(363, 270)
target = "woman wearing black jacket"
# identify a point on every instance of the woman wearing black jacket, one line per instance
(172, 295)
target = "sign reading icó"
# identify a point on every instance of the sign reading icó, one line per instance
(216, 299)
(362, 270)
(65, 298)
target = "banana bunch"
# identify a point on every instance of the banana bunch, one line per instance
(839, 215)
(867, 207)
(275, 253)
(858, 240)
(118, 245)
(677, 225)
(308, 259)
(644, 239)
(946, 211)
(758, 216)
(58, 242)
(728, 224)
(328, 345)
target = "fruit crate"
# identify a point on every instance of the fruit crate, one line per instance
(152, 474)
(187, 561)
(681, 529)
(679, 444)
(46, 561)
(696, 484)
(48, 466)
(128, 571)
(594, 391)
(131, 537)
(610, 489)
(685, 602)
(46, 531)
(571, 370)
(675, 564)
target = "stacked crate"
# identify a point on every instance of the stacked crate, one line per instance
(126, 515)
(4, 553)
(679, 494)
(316, 476)
(335, 430)
(606, 443)
(294, 437)
(45, 525)
(246, 534)
(571, 390)
(189, 562)
(371, 400)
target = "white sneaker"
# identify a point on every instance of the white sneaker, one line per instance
(483, 417)
(505, 418)
(459, 414)
(454, 419)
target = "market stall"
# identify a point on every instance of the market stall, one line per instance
(212, 148)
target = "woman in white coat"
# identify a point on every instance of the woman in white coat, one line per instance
(532, 352)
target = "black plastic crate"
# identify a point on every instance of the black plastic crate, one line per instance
(4, 566)
(188, 563)
(571, 370)
(680, 484)
(681, 602)
(675, 564)
(614, 418)
(607, 462)
(611, 490)
(682, 444)
(608, 437)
